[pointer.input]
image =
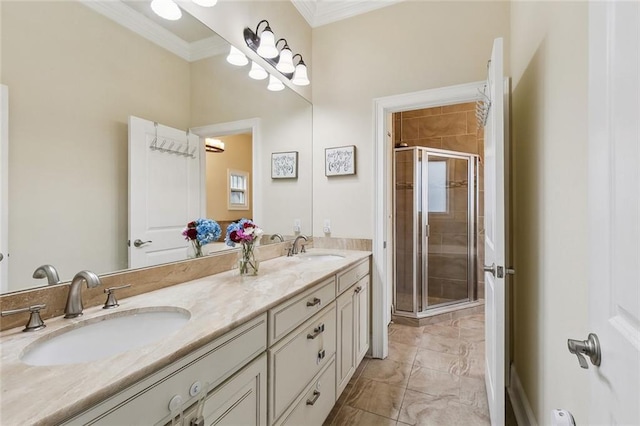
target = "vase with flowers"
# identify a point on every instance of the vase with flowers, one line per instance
(247, 234)
(200, 232)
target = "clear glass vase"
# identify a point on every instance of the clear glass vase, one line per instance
(194, 250)
(247, 262)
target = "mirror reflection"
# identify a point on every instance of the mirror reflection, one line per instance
(74, 79)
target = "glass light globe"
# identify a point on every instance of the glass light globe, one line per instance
(166, 9)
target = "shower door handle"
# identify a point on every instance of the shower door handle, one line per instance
(491, 269)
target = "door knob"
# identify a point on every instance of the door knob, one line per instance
(589, 347)
(140, 243)
(491, 269)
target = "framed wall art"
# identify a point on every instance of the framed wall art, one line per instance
(340, 161)
(284, 165)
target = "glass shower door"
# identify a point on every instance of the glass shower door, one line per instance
(451, 229)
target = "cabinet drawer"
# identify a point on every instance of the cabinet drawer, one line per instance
(297, 358)
(147, 402)
(316, 402)
(241, 400)
(287, 316)
(349, 277)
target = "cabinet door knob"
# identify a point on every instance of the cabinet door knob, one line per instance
(358, 289)
(321, 355)
(316, 395)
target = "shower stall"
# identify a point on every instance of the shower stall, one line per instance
(435, 221)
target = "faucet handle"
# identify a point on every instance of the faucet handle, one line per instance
(112, 302)
(35, 321)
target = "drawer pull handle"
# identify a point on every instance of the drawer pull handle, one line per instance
(316, 332)
(315, 397)
(315, 302)
(321, 355)
(358, 289)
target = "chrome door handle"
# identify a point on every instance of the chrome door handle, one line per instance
(589, 347)
(139, 243)
(491, 269)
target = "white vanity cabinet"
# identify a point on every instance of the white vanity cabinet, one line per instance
(352, 322)
(181, 383)
(287, 366)
(297, 358)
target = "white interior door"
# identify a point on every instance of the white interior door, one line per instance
(4, 189)
(614, 212)
(494, 224)
(165, 188)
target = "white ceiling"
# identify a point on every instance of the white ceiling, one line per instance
(322, 12)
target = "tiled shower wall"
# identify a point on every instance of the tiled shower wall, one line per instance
(453, 128)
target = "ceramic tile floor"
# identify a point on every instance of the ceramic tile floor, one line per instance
(434, 375)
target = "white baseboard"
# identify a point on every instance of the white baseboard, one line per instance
(519, 402)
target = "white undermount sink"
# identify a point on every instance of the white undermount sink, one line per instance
(98, 338)
(320, 257)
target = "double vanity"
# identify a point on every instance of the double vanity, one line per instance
(273, 349)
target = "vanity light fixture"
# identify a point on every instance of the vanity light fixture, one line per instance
(264, 43)
(275, 85)
(236, 57)
(285, 62)
(257, 72)
(213, 145)
(169, 10)
(205, 3)
(300, 77)
(166, 9)
(282, 60)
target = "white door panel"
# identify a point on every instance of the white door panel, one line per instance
(494, 223)
(4, 188)
(614, 212)
(164, 191)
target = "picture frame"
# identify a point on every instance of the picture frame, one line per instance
(340, 161)
(284, 165)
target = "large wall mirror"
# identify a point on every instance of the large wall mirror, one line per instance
(75, 75)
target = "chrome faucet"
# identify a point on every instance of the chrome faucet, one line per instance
(48, 272)
(74, 300)
(278, 236)
(294, 249)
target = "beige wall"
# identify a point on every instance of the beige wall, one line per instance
(68, 131)
(402, 48)
(549, 116)
(236, 156)
(224, 93)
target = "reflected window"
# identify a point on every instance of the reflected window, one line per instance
(437, 190)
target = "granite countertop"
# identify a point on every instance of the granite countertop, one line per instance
(217, 303)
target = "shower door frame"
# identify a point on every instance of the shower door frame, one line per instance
(472, 252)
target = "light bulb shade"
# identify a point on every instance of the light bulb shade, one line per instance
(236, 57)
(205, 3)
(300, 75)
(166, 9)
(267, 47)
(275, 85)
(213, 145)
(285, 63)
(257, 72)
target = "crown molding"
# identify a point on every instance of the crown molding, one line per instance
(141, 25)
(322, 12)
(207, 47)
